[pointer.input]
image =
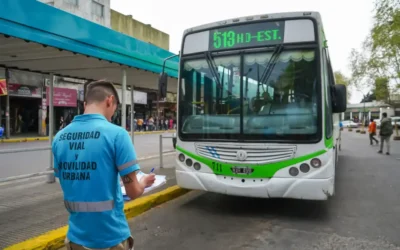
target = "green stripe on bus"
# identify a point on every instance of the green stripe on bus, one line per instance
(260, 170)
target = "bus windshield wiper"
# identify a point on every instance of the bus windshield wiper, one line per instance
(271, 63)
(213, 67)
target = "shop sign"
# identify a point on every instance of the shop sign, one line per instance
(24, 90)
(62, 97)
(139, 97)
(67, 79)
(3, 87)
(25, 78)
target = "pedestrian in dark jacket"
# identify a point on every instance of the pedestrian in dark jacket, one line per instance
(385, 133)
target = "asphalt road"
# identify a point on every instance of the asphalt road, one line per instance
(13, 164)
(364, 214)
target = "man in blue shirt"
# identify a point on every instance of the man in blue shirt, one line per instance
(90, 155)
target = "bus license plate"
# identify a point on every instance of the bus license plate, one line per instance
(242, 170)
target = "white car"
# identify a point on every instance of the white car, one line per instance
(349, 124)
(395, 119)
(378, 123)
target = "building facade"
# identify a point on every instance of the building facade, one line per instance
(97, 11)
(368, 110)
(134, 28)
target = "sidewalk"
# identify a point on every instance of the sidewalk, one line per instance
(30, 209)
(46, 138)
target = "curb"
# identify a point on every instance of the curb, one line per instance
(46, 138)
(54, 239)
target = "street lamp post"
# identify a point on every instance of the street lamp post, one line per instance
(363, 120)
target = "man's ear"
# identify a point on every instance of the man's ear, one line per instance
(109, 101)
(84, 105)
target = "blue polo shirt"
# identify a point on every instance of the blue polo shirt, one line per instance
(90, 155)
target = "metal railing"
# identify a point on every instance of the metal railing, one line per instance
(49, 172)
(161, 147)
(25, 176)
(10, 151)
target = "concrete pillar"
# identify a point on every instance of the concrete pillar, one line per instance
(123, 101)
(51, 178)
(132, 113)
(8, 124)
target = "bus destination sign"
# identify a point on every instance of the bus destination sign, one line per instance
(247, 35)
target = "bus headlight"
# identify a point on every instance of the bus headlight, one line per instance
(189, 162)
(182, 157)
(316, 163)
(197, 166)
(293, 171)
(304, 167)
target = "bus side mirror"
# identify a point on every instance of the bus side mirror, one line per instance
(163, 84)
(339, 98)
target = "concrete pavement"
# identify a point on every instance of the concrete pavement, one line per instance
(13, 164)
(364, 214)
(28, 209)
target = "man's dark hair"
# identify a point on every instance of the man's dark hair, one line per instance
(98, 91)
(371, 120)
(384, 114)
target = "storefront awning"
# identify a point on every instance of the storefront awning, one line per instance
(48, 40)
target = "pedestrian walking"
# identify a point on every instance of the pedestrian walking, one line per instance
(89, 156)
(62, 123)
(385, 133)
(372, 132)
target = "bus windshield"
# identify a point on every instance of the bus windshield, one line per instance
(250, 97)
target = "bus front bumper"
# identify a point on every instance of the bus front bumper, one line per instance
(295, 188)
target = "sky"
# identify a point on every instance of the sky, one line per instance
(346, 22)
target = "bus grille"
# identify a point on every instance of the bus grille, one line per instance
(256, 153)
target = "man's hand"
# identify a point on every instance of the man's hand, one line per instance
(135, 188)
(148, 180)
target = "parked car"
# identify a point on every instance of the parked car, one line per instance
(349, 124)
(395, 119)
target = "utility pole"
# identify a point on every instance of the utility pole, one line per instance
(363, 121)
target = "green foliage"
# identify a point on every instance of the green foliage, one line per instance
(377, 64)
(342, 79)
(385, 38)
(381, 89)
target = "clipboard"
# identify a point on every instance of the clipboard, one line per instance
(159, 181)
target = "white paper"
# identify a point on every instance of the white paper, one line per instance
(159, 181)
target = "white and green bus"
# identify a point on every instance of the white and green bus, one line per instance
(258, 108)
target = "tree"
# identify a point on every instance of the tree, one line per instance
(385, 39)
(369, 97)
(381, 90)
(377, 66)
(342, 79)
